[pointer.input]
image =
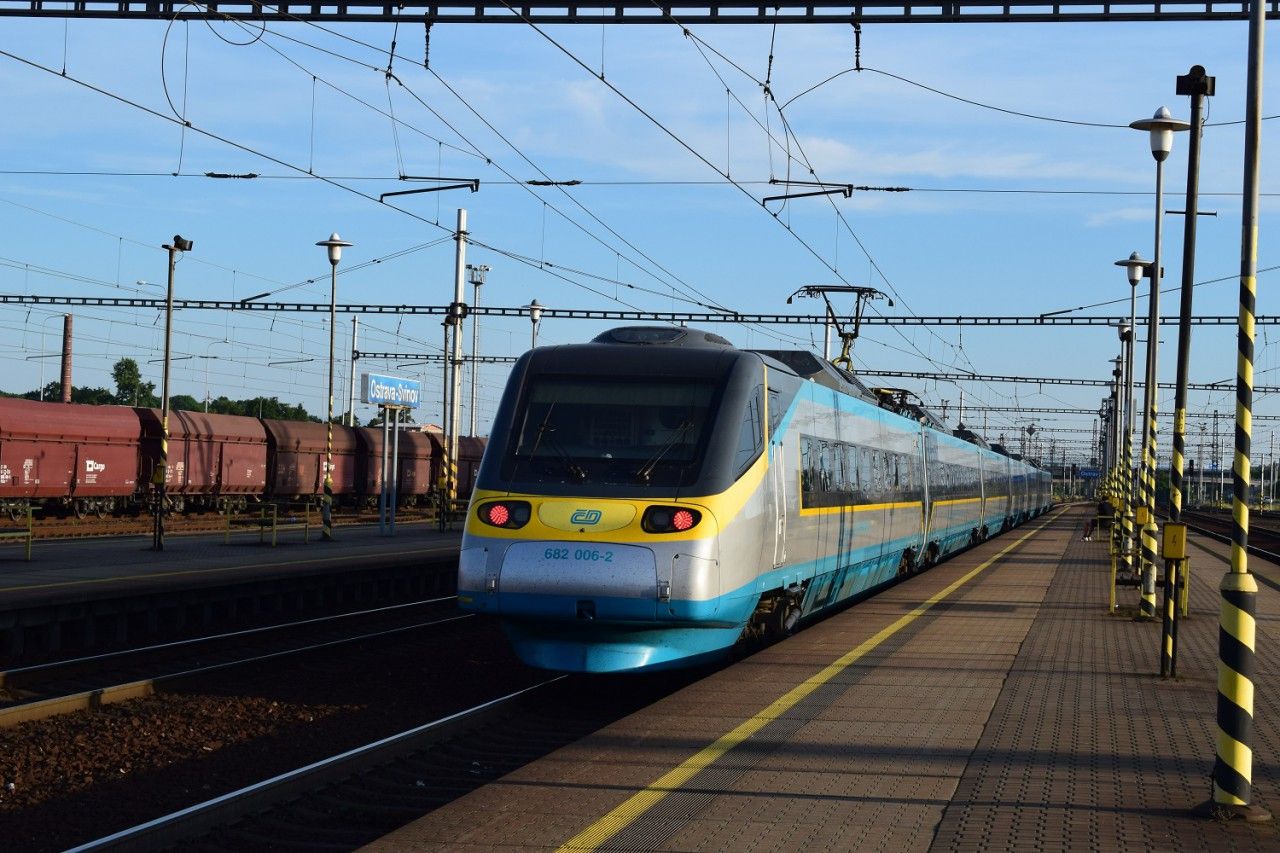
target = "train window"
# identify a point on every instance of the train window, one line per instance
(775, 413)
(626, 431)
(751, 436)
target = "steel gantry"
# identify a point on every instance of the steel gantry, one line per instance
(593, 314)
(644, 11)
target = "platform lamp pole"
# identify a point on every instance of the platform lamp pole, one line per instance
(334, 245)
(1237, 627)
(1135, 268)
(476, 273)
(535, 314)
(161, 471)
(1160, 128)
(1198, 85)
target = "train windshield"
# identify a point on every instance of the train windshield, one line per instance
(641, 431)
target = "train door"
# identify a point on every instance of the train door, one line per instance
(777, 479)
(928, 456)
(982, 493)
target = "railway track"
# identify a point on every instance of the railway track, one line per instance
(203, 734)
(44, 690)
(142, 525)
(357, 796)
(1264, 540)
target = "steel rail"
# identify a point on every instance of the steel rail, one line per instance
(177, 826)
(98, 697)
(7, 676)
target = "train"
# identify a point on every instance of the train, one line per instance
(61, 459)
(656, 497)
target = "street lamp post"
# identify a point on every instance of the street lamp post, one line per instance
(161, 473)
(477, 273)
(1135, 268)
(535, 314)
(334, 245)
(1160, 128)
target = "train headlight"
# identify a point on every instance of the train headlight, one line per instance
(669, 519)
(509, 514)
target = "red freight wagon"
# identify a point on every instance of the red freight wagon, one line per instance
(415, 457)
(214, 460)
(470, 449)
(67, 456)
(296, 452)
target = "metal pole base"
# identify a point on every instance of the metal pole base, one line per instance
(1226, 812)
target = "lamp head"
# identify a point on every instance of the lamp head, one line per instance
(1125, 331)
(1135, 266)
(1161, 126)
(335, 245)
(535, 311)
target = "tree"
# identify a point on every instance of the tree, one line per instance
(79, 394)
(186, 403)
(130, 389)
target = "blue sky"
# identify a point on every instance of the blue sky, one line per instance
(653, 210)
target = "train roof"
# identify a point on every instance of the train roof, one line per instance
(806, 365)
(802, 363)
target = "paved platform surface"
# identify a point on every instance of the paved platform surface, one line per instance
(73, 570)
(989, 704)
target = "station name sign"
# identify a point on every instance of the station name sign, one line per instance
(390, 391)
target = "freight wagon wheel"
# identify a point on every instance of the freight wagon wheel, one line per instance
(100, 511)
(15, 512)
(81, 509)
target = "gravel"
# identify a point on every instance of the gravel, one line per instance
(70, 779)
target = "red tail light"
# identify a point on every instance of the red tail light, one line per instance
(508, 514)
(669, 519)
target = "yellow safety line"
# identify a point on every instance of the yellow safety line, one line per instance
(621, 817)
(92, 581)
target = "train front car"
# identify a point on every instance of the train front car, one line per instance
(622, 477)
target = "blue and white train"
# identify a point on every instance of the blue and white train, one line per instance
(653, 497)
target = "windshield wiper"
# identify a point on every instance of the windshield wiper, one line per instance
(642, 474)
(574, 469)
(544, 430)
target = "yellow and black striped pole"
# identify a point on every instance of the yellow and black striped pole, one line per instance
(1161, 127)
(1233, 768)
(1198, 85)
(1147, 483)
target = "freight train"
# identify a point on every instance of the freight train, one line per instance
(66, 458)
(652, 498)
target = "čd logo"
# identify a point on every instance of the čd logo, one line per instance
(586, 516)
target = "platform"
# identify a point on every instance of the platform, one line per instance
(85, 569)
(991, 703)
(78, 596)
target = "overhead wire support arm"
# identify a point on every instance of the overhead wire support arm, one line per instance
(472, 184)
(845, 190)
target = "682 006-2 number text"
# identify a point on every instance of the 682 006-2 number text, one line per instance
(586, 555)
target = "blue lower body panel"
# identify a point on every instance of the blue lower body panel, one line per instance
(604, 648)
